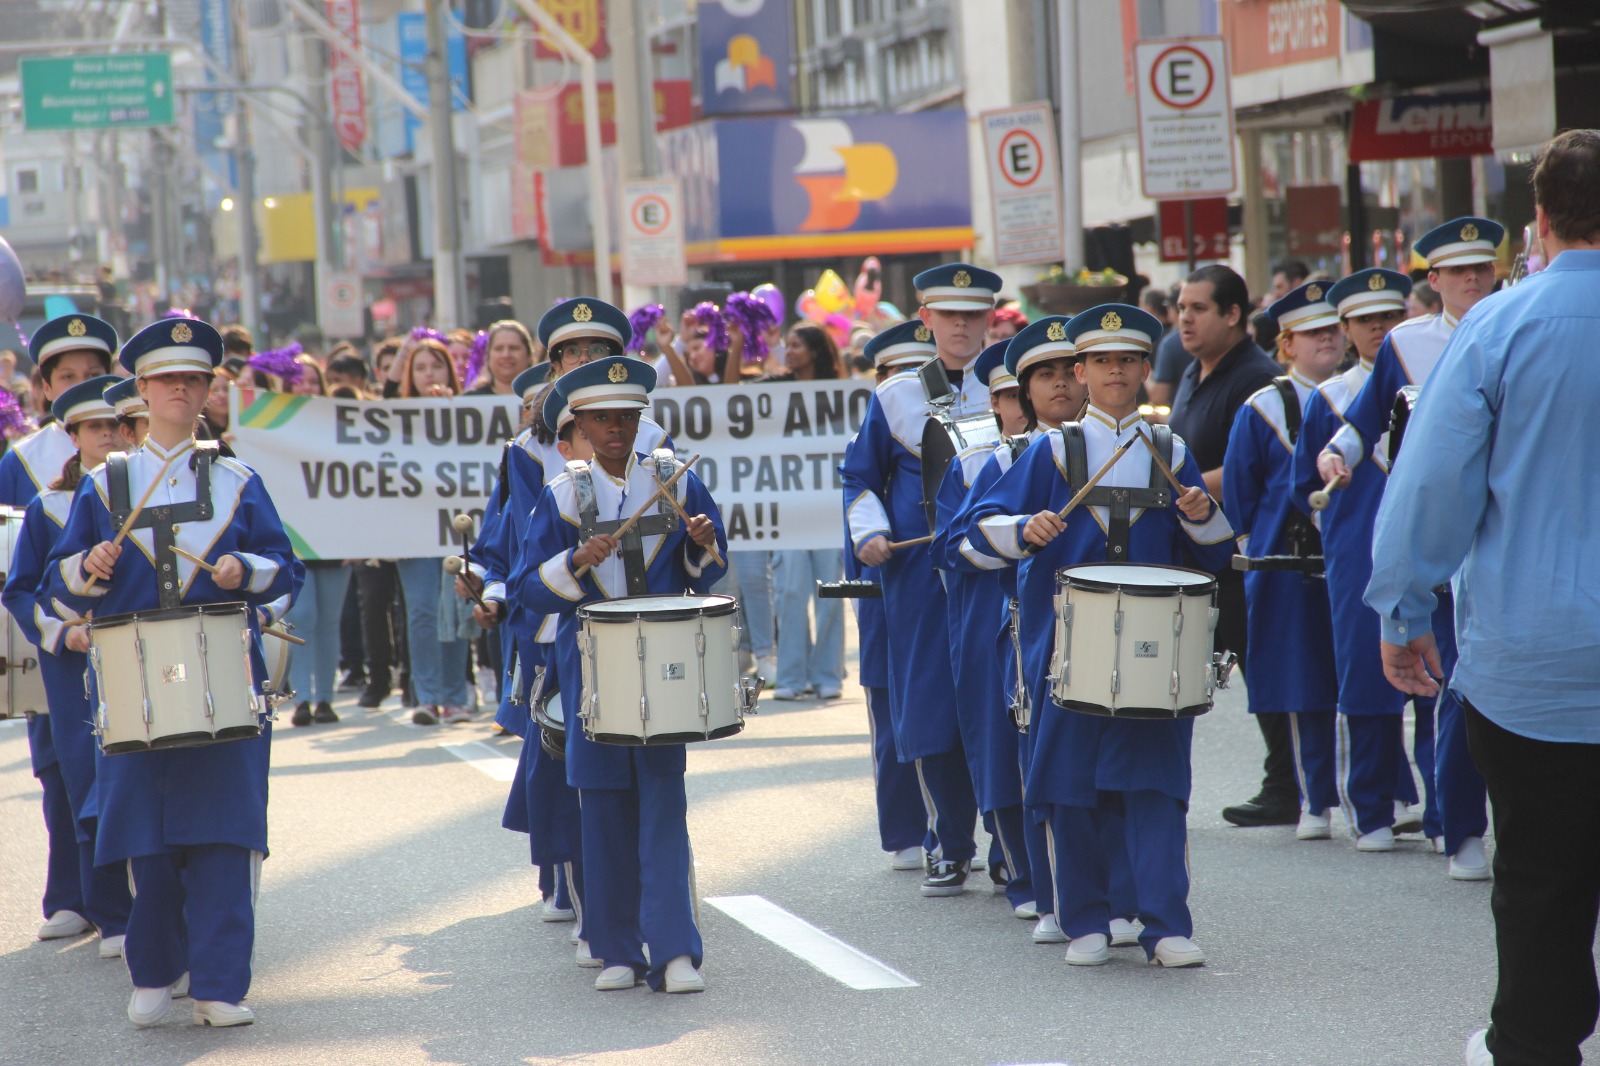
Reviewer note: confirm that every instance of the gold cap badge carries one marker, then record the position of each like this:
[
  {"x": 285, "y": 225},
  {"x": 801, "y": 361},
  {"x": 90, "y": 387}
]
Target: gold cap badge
[
  {"x": 618, "y": 373},
  {"x": 1376, "y": 283},
  {"x": 182, "y": 334},
  {"x": 962, "y": 279},
  {"x": 581, "y": 313},
  {"x": 76, "y": 328},
  {"x": 1056, "y": 332},
  {"x": 923, "y": 334},
  {"x": 1313, "y": 292},
  {"x": 1469, "y": 232},
  {"x": 1111, "y": 321}
]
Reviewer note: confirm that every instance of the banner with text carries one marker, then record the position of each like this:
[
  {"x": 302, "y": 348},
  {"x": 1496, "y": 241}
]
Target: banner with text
[{"x": 383, "y": 478}]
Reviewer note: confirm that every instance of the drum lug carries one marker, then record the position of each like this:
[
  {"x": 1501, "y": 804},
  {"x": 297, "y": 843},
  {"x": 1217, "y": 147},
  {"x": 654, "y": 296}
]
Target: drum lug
[
  {"x": 1222, "y": 664},
  {"x": 747, "y": 690},
  {"x": 144, "y": 683},
  {"x": 644, "y": 695}
]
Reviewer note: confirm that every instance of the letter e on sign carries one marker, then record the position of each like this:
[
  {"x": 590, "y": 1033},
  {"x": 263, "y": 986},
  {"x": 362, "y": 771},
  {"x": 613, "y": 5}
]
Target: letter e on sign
[
  {"x": 1182, "y": 77},
  {"x": 1020, "y": 158}
]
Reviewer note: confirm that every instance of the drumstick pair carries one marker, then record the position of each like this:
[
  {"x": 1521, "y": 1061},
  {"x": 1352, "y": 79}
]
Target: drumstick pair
[
  {"x": 663, "y": 489},
  {"x": 1083, "y": 493},
  {"x": 210, "y": 569},
  {"x": 133, "y": 515}
]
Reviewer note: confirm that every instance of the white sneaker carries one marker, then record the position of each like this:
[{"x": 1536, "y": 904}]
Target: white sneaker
[
  {"x": 586, "y": 960},
  {"x": 1407, "y": 819},
  {"x": 1438, "y": 845},
  {"x": 1124, "y": 934},
  {"x": 767, "y": 667},
  {"x": 111, "y": 947},
  {"x": 1048, "y": 931},
  {"x": 616, "y": 978},
  {"x": 1469, "y": 863},
  {"x": 63, "y": 924},
  {"x": 1314, "y": 826},
  {"x": 1478, "y": 1049},
  {"x": 549, "y": 912},
  {"x": 1178, "y": 951},
  {"x": 1381, "y": 839},
  {"x": 180, "y": 987},
  {"x": 908, "y": 859},
  {"x": 147, "y": 1006},
  {"x": 217, "y": 1013},
  {"x": 1091, "y": 950},
  {"x": 681, "y": 976},
  {"x": 1026, "y": 911}
]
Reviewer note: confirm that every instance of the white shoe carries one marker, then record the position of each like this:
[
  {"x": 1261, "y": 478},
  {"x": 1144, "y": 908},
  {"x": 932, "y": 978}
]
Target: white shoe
[
  {"x": 1438, "y": 845},
  {"x": 586, "y": 960},
  {"x": 1314, "y": 826},
  {"x": 681, "y": 976},
  {"x": 217, "y": 1013},
  {"x": 1381, "y": 839},
  {"x": 1091, "y": 950},
  {"x": 1048, "y": 931},
  {"x": 63, "y": 924},
  {"x": 111, "y": 947},
  {"x": 908, "y": 859},
  {"x": 1469, "y": 863},
  {"x": 148, "y": 1006},
  {"x": 616, "y": 978},
  {"x": 549, "y": 912},
  {"x": 1124, "y": 934},
  {"x": 1026, "y": 911},
  {"x": 180, "y": 987},
  {"x": 1407, "y": 819},
  {"x": 767, "y": 668},
  {"x": 1177, "y": 951},
  {"x": 1478, "y": 1049}
]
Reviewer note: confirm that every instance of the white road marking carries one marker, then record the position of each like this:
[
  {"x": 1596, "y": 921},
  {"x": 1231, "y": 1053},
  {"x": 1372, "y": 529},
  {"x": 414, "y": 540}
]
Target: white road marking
[
  {"x": 480, "y": 755},
  {"x": 847, "y": 965}
]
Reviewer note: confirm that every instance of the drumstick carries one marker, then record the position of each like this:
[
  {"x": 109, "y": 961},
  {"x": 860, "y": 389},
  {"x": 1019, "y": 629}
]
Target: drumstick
[
  {"x": 459, "y": 565},
  {"x": 1166, "y": 471},
  {"x": 633, "y": 520},
  {"x": 210, "y": 569},
  {"x": 133, "y": 515},
  {"x": 1319, "y": 499},
  {"x": 1078, "y": 497},
  {"x": 896, "y": 545},
  {"x": 676, "y": 506},
  {"x": 281, "y": 635}
]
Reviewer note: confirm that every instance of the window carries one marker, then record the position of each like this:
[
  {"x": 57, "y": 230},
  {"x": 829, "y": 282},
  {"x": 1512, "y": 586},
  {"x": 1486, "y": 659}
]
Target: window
[
  {"x": 27, "y": 180},
  {"x": 862, "y": 10}
]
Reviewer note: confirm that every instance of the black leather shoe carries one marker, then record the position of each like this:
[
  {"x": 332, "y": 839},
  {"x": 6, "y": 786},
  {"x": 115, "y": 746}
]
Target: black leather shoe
[
  {"x": 1263, "y": 810},
  {"x": 373, "y": 697},
  {"x": 324, "y": 713},
  {"x": 302, "y": 713}
]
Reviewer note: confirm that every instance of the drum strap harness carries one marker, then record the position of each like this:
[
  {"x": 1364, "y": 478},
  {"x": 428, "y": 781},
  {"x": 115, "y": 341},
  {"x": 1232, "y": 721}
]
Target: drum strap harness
[
  {"x": 163, "y": 521},
  {"x": 1301, "y": 536},
  {"x": 631, "y": 549},
  {"x": 1119, "y": 502}
]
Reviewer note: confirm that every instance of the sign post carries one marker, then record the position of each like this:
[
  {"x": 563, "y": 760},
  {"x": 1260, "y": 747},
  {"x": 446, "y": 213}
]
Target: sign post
[
  {"x": 1024, "y": 183},
  {"x": 652, "y": 233},
  {"x": 97, "y": 92}
]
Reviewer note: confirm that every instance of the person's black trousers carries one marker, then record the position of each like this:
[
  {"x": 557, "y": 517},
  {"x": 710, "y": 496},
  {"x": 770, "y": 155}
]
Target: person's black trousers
[
  {"x": 1546, "y": 801},
  {"x": 1278, "y": 777}
]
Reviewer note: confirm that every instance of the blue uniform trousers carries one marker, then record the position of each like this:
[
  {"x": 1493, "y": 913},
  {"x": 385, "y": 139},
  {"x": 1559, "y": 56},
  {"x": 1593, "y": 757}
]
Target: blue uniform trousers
[
  {"x": 902, "y": 819},
  {"x": 1370, "y": 749},
  {"x": 638, "y": 886},
  {"x": 1008, "y": 824},
  {"x": 1422, "y": 753},
  {"x": 194, "y": 910},
  {"x": 63, "y": 878},
  {"x": 1090, "y": 888},
  {"x": 1463, "y": 797},
  {"x": 952, "y": 805},
  {"x": 106, "y": 899},
  {"x": 1312, "y": 733}
]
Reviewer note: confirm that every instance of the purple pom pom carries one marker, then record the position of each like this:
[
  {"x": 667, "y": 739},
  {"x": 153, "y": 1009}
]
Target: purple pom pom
[
  {"x": 178, "y": 312},
  {"x": 643, "y": 320},
  {"x": 707, "y": 314},
  {"x": 424, "y": 333},
  {"x": 751, "y": 315},
  {"x": 14, "y": 421},
  {"x": 279, "y": 363},
  {"x": 476, "y": 359}
]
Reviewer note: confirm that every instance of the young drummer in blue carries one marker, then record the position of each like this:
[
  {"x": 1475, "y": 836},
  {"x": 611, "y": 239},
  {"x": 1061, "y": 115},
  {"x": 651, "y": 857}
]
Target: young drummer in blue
[
  {"x": 1461, "y": 257},
  {"x": 68, "y": 351},
  {"x": 636, "y": 857},
  {"x": 90, "y": 423},
  {"x": 191, "y": 822},
  {"x": 1084, "y": 767},
  {"x": 882, "y": 476},
  {"x": 1290, "y": 657}
]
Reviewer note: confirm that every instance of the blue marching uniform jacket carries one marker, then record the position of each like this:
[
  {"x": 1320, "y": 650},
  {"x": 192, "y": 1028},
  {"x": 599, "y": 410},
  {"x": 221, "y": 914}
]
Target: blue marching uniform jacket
[
  {"x": 32, "y": 463},
  {"x": 217, "y": 794},
  {"x": 1290, "y": 658},
  {"x": 1077, "y": 755}
]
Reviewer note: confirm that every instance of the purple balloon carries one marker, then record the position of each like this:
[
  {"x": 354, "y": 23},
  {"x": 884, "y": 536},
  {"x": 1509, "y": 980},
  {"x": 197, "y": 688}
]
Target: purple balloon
[
  {"x": 13, "y": 286},
  {"x": 769, "y": 295}
]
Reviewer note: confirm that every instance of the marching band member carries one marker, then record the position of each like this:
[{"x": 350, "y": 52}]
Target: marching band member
[
  {"x": 1289, "y": 657},
  {"x": 133, "y": 414},
  {"x": 1461, "y": 257},
  {"x": 67, "y": 350},
  {"x": 882, "y": 476},
  {"x": 956, "y": 303},
  {"x": 190, "y": 822},
  {"x": 636, "y": 856},
  {"x": 1084, "y": 767},
  {"x": 88, "y": 421}
]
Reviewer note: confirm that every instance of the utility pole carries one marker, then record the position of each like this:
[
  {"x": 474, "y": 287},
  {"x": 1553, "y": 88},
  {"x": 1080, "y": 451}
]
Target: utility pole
[
  {"x": 244, "y": 156},
  {"x": 1071, "y": 133},
  {"x": 449, "y": 281},
  {"x": 634, "y": 109}
]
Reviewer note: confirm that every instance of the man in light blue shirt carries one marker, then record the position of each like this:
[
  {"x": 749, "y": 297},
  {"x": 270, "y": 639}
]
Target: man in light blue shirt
[{"x": 1491, "y": 491}]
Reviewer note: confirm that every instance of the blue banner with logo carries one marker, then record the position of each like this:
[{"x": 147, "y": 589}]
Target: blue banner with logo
[
  {"x": 209, "y": 109},
  {"x": 746, "y": 47},
  {"x": 412, "y": 29}
]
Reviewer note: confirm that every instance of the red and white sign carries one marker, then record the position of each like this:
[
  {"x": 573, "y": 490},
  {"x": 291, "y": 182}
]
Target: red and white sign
[
  {"x": 1268, "y": 34},
  {"x": 339, "y": 305},
  {"x": 346, "y": 93},
  {"x": 1185, "y": 118},
  {"x": 1024, "y": 183},
  {"x": 652, "y": 233},
  {"x": 1208, "y": 225},
  {"x": 1422, "y": 127}
]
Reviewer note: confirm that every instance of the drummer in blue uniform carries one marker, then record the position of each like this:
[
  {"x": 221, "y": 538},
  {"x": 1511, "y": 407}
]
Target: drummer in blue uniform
[
  {"x": 1290, "y": 657},
  {"x": 1461, "y": 256},
  {"x": 637, "y": 863},
  {"x": 190, "y": 822},
  {"x": 89, "y": 422},
  {"x": 1085, "y": 768},
  {"x": 133, "y": 414},
  {"x": 882, "y": 475},
  {"x": 956, "y": 302},
  {"x": 67, "y": 350}
]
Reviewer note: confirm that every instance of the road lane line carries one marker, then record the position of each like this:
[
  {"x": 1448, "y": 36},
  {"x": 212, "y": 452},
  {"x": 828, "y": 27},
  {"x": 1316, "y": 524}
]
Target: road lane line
[
  {"x": 845, "y": 964},
  {"x": 478, "y": 754}
]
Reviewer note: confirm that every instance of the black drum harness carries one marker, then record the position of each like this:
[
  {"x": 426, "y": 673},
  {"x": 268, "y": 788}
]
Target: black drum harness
[
  {"x": 631, "y": 548},
  {"x": 163, "y": 520}
]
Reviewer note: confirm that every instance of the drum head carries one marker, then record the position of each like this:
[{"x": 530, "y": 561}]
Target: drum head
[
  {"x": 549, "y": 711},
  {"x": 658, "y": 608},
  {"x": 1135, "y": 580},
  {"x": 938, "y": 452}
]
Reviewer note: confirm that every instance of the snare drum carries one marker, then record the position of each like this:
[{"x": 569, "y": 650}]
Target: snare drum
[
  {"x": 662, "y": 670},
  {"x": 23, "y": 685},
  {"x": 1134, "y": 641},
  {"x": 171, "y": 678},
  {"x": 552, "y": 722},
  {"x": 277, "y": 653}
]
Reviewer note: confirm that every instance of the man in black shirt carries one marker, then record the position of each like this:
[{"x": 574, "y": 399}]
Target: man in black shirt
[{"x": 1213, "y": 322}]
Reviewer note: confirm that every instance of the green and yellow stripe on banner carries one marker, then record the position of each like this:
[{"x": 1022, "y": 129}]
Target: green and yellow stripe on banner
[
  {"x": 271, "y": 410},
  {"x": 298, "y": 543}
]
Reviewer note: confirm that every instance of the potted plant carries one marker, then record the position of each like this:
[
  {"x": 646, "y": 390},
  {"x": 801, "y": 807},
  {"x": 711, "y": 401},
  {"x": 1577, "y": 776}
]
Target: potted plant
[{"x": 1059, "y": 293}]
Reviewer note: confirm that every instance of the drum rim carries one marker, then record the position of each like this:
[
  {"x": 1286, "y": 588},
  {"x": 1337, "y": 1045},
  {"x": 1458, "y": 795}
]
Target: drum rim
[
  {"x": 629, "y": 740},
  {"x": 542, "y": 717},
  {"x": 1207, "y": 588},
  {"x": 1141, "y": 714},
  {"x": 163, "y": 614},
  {"x": 592, "y": 612}
]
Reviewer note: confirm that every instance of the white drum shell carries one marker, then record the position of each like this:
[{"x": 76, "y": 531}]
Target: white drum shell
[
  {"x": 24, "y": 682},
  {"x": 199, "y": 691}
]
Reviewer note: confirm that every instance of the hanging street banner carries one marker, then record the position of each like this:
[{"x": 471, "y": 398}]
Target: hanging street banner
[
  {"x": 96, "y": 92},
  {"x": 382, "y": 479},
  {"x": 345, "y": 88}
]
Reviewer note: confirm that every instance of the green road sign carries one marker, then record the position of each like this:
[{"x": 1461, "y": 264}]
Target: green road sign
[{"x": 97, "y": 92}]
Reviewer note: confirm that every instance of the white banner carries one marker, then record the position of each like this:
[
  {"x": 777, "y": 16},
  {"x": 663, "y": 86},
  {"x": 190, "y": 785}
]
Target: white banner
[{"x": 382, "y": 479}]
